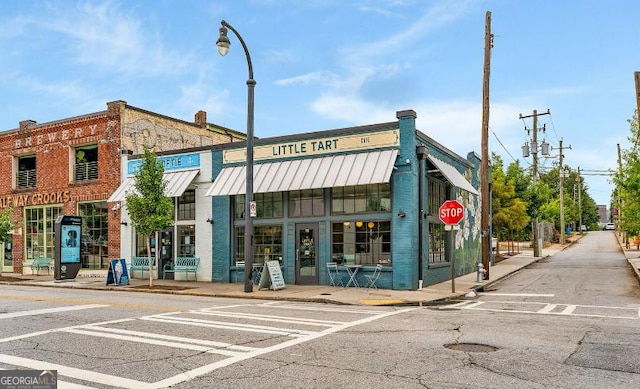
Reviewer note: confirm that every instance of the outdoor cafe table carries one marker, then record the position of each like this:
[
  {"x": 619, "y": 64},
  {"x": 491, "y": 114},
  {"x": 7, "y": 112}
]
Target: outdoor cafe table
[{"x": 352, "y": 269}]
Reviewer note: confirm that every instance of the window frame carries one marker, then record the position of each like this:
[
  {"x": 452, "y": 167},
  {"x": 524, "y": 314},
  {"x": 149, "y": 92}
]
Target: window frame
[
  {"x": 29, "y": 174},
  {"x": 86, "y": 170}
]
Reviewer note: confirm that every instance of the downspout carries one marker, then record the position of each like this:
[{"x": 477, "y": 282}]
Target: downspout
[{"x": 421, "y": 153}]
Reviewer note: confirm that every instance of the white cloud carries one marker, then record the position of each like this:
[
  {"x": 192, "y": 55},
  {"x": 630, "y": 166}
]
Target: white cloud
[{"x": 105, "y": 37}]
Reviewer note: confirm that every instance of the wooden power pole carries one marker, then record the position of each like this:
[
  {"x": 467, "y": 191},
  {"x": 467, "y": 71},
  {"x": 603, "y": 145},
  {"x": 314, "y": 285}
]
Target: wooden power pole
[
  {"x": 484, "y": 163},
  {"x": 637, "y": 78},
  {"x": 537, "y": 250}
]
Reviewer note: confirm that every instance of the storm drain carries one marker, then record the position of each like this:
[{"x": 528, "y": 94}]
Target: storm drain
[{"x": 471, "y": 347}]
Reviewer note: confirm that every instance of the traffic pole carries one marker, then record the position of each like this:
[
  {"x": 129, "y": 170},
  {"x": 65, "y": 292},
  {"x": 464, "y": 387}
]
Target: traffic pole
[{"x": 452, "y": 260}]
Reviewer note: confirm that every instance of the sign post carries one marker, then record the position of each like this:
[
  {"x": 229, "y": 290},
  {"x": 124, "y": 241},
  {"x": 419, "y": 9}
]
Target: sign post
[{"x": 451, "y": 212}]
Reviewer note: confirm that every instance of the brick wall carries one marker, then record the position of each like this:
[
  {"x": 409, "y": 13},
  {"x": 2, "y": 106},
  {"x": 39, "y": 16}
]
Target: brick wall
[{"x": 53, "y": 145}]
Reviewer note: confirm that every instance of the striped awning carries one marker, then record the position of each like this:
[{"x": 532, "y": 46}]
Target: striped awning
[
  {"x": 177, "y": 183},
  {"x": 452, "y": 175},
  {"x": 326, "y": 172}
]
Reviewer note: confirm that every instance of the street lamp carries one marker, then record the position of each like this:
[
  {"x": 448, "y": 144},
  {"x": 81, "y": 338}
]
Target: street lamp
[{"x": 223, "y": 44}]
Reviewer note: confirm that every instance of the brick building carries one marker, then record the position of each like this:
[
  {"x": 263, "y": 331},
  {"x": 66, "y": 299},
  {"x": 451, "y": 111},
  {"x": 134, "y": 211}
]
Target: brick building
[{"x": 72, "y": 166}]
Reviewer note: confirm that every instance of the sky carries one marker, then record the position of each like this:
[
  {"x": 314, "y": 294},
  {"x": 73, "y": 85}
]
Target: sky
[{"x": 327, "y": 64}]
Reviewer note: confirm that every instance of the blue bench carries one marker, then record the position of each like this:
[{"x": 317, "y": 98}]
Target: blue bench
[
  {"x": 141, "y": 264},
  {"x": 184, "y": 265},
  {"x": 40, "y": 263}
]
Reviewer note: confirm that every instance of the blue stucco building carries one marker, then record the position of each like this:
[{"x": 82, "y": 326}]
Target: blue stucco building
[{"x": 359, "y": 197}]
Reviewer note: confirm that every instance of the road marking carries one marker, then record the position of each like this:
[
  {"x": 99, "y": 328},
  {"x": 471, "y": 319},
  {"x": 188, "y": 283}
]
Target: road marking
[
  {"x": 277, "y": 319},
  {"x": 73, "y": 372},
  {"x": 228, "y": 326},
  {"x": 518, "y": 294},
  {"x": 155, "y": 342},
  {"x": 168, "y": 382},
  {"x": 210, "y": 343},
  {"x": 280, "y": 305},
  {"x": 233, "y": 353},
  {"x": 548, "y": 308},
  {"x": 11, "y": 315}
]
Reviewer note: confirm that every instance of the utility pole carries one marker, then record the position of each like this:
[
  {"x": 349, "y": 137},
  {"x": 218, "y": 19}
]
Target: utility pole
[
  {"x": 579, "y": 179},
  {"x": 484, "y": 163},
  {"x": 637, "y": 78},
  {"x": 534, "y": 151},
  {"x": 562, "y": 173},
  {"x": 620, "y": 203}
]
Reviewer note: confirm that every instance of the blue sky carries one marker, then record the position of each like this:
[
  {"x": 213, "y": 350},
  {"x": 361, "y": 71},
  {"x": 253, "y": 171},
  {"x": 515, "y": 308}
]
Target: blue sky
[{"x": 324, "y": 64}]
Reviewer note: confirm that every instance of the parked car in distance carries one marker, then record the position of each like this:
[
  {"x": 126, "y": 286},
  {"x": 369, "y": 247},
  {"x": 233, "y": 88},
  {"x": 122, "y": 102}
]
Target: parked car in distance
[
  {"x": 609, "y": 226},
  {"x": 583, "y": 228}
]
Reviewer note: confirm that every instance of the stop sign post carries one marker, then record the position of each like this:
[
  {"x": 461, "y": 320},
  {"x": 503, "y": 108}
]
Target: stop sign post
[{"x": 451, "y": 212}]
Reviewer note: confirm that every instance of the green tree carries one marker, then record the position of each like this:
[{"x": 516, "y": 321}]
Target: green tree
[
  {"x": 6, "y": 224},
  {"x": 149, "y": 209},
  {"x": 628, "y": 183},
  {"x": 509, "y": 211}
]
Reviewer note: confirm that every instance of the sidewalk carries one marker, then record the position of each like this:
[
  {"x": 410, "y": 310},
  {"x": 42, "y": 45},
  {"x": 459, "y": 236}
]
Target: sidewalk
[
  {"x": 633, "y": 256},
  {"x": 430, "y": 295}
]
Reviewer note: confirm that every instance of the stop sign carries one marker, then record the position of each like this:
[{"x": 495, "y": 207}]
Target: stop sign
[{"x": 451, "y": 212}]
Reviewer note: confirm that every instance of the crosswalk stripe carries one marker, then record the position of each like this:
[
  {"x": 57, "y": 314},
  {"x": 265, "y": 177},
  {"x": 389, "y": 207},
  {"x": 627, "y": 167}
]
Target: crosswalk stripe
[{"x": 11, "y": 315}]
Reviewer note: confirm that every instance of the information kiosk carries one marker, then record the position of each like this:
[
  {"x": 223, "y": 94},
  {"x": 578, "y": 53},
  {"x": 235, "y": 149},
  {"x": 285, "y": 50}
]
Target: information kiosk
[{"x": 67, "y": 243}]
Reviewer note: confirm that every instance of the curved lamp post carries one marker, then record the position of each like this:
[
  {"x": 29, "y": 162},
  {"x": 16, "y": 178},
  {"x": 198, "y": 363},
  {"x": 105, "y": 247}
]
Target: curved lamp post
[{"x": 223, "y": 44}]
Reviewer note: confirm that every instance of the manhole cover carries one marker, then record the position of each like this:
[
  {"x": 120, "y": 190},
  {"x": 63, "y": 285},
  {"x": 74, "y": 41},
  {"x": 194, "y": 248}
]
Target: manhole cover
[{"x": 471, "y": 347}]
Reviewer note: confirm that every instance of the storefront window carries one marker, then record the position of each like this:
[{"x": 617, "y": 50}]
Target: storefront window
[
  {"x": 438, "y": 194},
  {"x": 267, "y": 244},
  {"x": 361, "y": 199},
  {"x": 141, "y": 246},
  {"x": 437, "y": 243},
  {"x": 39, "y": 231},
  {"x": 307, "y": 202},
  {"x": 187, "y": 205},
  {"x": 361, "y": 243},
  {"x": 268, "y": 205},
  {"x": 186, "y": 241},
  {"x": 95, "y": 233}
]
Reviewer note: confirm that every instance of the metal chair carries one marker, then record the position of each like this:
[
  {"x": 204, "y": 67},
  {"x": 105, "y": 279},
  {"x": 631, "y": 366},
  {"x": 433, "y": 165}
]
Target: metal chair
[
  {"x": 373, "y": 277},
  {"x": 334, "y": 274}
]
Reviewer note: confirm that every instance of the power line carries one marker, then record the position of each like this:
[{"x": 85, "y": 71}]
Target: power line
[
  {"x": 553, "y": 127},
  {"x": 502, "y": 144}
]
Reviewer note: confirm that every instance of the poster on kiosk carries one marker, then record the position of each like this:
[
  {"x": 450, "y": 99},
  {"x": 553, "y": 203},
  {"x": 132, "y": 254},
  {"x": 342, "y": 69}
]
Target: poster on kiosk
[{"x": 67, "y": 242}]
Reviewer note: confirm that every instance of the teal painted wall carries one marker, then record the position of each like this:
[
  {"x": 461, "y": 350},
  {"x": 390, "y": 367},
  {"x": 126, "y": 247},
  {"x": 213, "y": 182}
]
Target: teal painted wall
[{"x": 404, "y": 272}]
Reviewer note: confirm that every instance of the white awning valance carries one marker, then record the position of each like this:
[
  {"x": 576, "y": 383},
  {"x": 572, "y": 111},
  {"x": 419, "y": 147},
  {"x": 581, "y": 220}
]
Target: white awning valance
[
  {"x": 340, "y": 170},
  {"x": 177, "y": 183}
]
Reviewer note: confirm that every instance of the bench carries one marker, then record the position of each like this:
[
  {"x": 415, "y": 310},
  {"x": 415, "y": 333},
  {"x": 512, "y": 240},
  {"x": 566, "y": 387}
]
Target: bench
[
  {"x": 40, "y": 263},
  {"x": 182, "y": 264},
  {"x": 141, "y": 264}
]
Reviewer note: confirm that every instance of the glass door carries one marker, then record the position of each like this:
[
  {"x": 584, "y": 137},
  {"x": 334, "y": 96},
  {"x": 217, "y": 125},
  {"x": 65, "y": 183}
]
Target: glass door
[{"x": 306, "y": 254}]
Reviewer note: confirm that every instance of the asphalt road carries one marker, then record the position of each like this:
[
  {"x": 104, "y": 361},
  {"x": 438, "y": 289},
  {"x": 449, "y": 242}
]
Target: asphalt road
[{"x": 565, "y": 322}]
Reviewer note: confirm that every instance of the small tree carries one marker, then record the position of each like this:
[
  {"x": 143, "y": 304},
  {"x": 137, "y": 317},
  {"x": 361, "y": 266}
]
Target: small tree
[
  {"x": 6, "y": 224},
  {"x": 149, "y": 209}
]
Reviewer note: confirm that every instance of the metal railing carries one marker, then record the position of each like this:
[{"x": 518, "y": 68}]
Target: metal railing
[
  {"x": 86, "y": 171},
  {"x": 26, "y": 179}
]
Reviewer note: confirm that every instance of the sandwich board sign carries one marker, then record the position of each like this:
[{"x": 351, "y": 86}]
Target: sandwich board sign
[{"x": 271, "y": 277}]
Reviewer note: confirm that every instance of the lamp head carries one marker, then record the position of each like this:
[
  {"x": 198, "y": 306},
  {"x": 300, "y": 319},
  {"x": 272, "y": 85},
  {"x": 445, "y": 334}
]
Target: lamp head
[{"x": 223, "y": 42}]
